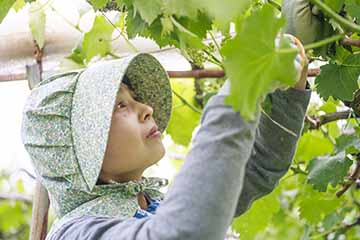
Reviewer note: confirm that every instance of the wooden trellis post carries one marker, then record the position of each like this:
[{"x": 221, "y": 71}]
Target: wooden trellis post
[{"x": 39, "y": 221}]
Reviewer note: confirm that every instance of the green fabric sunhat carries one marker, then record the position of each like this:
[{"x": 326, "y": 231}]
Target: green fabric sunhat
[{"x": 65, "y": 128}]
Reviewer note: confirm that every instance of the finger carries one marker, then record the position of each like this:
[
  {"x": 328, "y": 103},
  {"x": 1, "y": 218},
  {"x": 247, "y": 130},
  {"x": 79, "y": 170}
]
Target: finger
[{"x": 301, "y": 62}]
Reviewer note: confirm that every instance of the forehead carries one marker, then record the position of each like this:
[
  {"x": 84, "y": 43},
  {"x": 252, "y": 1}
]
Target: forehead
[{"x": 125, "y": 90}]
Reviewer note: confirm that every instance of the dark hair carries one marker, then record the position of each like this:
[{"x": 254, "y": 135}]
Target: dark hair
[{"x": 126, "y": 81}]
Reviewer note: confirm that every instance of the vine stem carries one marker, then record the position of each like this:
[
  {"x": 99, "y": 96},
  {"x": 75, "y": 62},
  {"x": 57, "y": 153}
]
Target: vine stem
[
  {"x": 183, "y": 100},
  {"x": 121, "y": 33},
  {"x": 315, "y": 44},
  {"x": 324, "y": 41},
  {"x": 355, "y": 175},
  {"x": 76, "y": 27},
  {"x": 42, "y": 7},
  {"x": 316, "y": 122},
  {"x": 216, "y": 44},
  {"x": 331, "y": 13},
  {"x": 181, "y": 27}
]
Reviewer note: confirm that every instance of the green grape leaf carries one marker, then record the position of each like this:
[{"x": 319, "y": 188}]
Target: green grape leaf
[
  {"x": 339, "y": 80},
  {"x": 348, "y": 143},
  {"x": 37, "y": 20},
  {"x": 134, "y": 24},
  {"x": 98, "y": 4},
  {"x": 224, "y": 11},
  {"x": 306, "y": 151},
  {"x": 258, "y": 217},
  {"x": 328, "y": 169},
  {"x": 178, "y": 8},
  {"x": 333, "y": 130},
  {"x": 182, "y": 115},
  {"x": 98, "y": 40},
  {"x": 5, "y": 6},
  {"x": 155, "y": 30},
  {"x": 331, "y": 219},
  {"x": 191, "y": 31},
  {"x": 78, "y": 54},
  {"x": 18, "y": 5},
  {"x": 254, "y": 71},
  {"x": 315, "y": 206},
  {"x": 341, "y": 54},
  {"x": 329, "y": 106},
  {"x": 199, "y": 25},
  {"x": 148, "y": 10},
  {"x": 283, "y": 226},
  {"x": 187, "y": 40},
  {"x": 352, "y": 7}
]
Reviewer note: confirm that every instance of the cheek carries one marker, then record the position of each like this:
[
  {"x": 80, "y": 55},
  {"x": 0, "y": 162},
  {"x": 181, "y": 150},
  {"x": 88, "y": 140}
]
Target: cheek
[{"x": 125, "y": 142}]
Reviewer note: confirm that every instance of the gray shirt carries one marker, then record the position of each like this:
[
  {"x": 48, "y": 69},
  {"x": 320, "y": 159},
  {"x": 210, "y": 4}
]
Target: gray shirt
[{"x": 231, "y": 163}]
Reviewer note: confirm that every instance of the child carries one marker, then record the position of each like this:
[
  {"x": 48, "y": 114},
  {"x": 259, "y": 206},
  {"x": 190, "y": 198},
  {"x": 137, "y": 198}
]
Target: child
[{"x": 92, "y": 133}]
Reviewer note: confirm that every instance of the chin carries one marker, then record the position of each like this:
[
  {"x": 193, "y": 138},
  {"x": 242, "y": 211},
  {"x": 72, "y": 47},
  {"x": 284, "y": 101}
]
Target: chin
[{"x": 160, "y": 155}]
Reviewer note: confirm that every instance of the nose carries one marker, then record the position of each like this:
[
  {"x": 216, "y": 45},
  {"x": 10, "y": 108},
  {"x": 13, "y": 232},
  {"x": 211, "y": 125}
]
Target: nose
[{"x": 146, "y": 112}]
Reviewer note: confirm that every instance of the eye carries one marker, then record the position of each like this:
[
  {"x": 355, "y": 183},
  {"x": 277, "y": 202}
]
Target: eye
[{"x": 122, "y": 104}]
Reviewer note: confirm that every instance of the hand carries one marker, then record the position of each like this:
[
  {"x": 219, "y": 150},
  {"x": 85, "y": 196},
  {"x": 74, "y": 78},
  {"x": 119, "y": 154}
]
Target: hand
[
  {"x": 304, "y": 21},
  {"x": 301, "y": 63}
]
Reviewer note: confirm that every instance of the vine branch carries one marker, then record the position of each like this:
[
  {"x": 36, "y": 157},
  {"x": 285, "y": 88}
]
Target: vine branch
[
  {"x": 353, "y": 177},
  {"x": 351, "y": 42},
  {"x": 16, "y": 197},
  {"x": 200, "y": 73},
  {"x": 331, "y": 13},
  {"x": 344, "y": 227},
  {"x": 316, "y": 122}
]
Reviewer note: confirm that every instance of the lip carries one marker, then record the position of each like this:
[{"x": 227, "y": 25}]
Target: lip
[{"x": 154, "y": 132}]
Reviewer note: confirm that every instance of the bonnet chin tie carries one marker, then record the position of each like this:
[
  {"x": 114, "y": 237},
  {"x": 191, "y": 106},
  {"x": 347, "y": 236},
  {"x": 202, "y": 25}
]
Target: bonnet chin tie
[{"x": 131, "y": 188}]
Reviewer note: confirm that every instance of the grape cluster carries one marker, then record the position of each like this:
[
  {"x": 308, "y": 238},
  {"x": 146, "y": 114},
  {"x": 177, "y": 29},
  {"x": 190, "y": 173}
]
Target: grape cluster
[{"x": 197, "y": 57}]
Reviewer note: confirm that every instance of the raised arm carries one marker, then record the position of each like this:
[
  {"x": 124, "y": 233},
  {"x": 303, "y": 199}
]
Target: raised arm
[{"x": 274, "y": 147}]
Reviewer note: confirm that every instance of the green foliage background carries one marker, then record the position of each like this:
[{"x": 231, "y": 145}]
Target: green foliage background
[{"x": 304, "y": 205}]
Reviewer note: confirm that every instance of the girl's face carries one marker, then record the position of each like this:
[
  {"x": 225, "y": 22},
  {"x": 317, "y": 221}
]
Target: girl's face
[{"x": 129, "y": 150}]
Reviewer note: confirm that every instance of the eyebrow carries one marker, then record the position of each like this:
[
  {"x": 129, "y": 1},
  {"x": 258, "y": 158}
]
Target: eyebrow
[{"x": 132, "y": 93}]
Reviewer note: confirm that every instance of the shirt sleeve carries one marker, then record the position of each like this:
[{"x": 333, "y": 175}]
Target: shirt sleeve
[
  {"x": 275, "y": 145},
  {"x": 201, "y": 202}
]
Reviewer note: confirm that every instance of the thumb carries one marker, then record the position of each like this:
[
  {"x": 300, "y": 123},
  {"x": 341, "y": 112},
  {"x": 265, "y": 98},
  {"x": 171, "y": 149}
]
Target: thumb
[{"x": 301, "y": 62}]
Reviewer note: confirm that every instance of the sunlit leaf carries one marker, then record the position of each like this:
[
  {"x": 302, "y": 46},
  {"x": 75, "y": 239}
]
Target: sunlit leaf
[
  {"x": 5, "y": 6},
  {"x": 339, "y": 81},
  {"x": 183, "y": 117},
  {"x": 328, "y": 170},
  {"x": 37, "y": 20},
  {"x": 254, "y": 71},
  {"x": 98, "y": 40}
]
